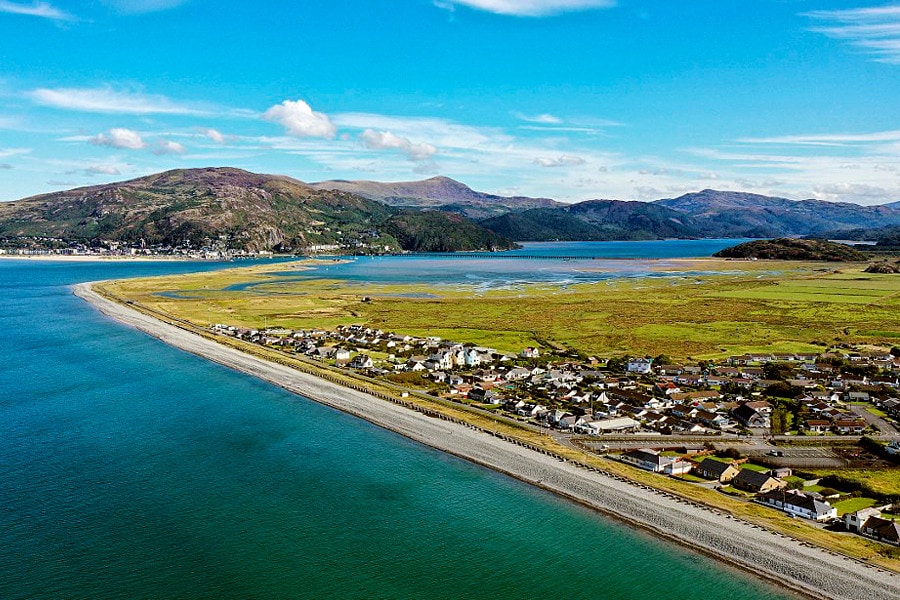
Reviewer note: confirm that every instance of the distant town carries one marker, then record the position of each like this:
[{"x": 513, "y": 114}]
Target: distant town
[{"x": 731, "y": 424}]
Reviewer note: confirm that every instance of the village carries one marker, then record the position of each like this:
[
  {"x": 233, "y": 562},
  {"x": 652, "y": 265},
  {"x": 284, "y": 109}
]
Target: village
[{"x": 729, "y": 424}]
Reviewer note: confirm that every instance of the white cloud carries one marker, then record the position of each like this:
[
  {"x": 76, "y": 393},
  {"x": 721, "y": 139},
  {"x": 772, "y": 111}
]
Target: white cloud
[
  {"x": 827, "y": 139},
  {"x": 4, "y": 152},
  {"x": 214, "y": 135},
  {"x": 108, "y": 100},
  {"x": 119, "y": 138},
  {"x": 544, "y": 118},
  {"x": 875, "y": 30},
  {"x": 527, "y": 8},
  {"x": 300, "y": 120},
  {"x": 35, "y": 9},
  {"x": 385, "y": 139},
  {"x": 168, "y": 147},
  {"x": 566, "y": 160},
  {"x": 102, "y": 170}
]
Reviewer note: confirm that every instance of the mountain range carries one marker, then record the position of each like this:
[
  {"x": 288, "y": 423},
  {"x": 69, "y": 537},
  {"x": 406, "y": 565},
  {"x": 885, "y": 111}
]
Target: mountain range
[
  {"x": 237, "y": 209},
  {"x": 233, "y": 209}
]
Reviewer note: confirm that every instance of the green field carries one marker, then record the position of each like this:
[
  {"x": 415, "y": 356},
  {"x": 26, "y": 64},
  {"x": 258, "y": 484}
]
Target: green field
[{"x": 784, "y": 307}]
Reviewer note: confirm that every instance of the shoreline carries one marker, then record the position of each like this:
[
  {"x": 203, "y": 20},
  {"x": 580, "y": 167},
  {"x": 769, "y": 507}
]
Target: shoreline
[{"x": 809, "y": 570}]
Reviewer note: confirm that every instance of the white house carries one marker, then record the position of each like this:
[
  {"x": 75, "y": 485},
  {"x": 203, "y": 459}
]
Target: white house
[
  {"x": 639, "y": 365},
  {"x": 797, "y": 503}
]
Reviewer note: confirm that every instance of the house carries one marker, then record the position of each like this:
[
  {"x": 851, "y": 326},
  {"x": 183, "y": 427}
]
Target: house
[
  {"x": 639, "y": 365},
  {"x": 484, "y": 396},
  {"x": 756, "y": 481},
  {"x": 361, "y": 361},
  {"x": 716, "y": 469},
  {"x": 649, "y": 460},
  {"x": 342, "y": 354},
  {"x": 850, "y": 426},
  {"x": 882, "y": 530},
  {"x": 798, "y": 503},
  {"x": 530, "y": 353},
  {"x": 854, "y": 521},
  {"x": 618, "y": 424},
  {"x": 473, "y": 357},
  {"x": 678, "y": 467},
  {"x": 818, "y": 425},
  {"x": 750, "y": 417}
]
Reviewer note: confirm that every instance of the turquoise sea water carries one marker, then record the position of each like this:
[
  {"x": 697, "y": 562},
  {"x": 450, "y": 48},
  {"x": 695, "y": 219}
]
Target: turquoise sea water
[{"x": 129, "y": 469}]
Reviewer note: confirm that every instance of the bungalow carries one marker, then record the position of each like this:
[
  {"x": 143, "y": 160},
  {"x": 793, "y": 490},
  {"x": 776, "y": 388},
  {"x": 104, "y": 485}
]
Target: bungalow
[
  {"x": 850, "y": 426},
  {"x": 649, "y": 460},
  {"x": 342, "y": 354},
  {"x": 716, "y": 469},
  {"x": 756, "y": 481},
  {"x": 619, "y": 424},
  {"x": 517, "y": 374},
  {"x": 530, "y": 353},
  {"x": 818, "y": 425}
]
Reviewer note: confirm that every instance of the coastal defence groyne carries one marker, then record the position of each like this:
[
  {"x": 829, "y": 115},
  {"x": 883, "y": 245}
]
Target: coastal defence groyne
[{"x": 807, "y": 569}]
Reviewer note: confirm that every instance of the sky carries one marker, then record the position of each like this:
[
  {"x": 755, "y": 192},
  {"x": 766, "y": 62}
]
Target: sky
[{"x": 568, "y": 99}]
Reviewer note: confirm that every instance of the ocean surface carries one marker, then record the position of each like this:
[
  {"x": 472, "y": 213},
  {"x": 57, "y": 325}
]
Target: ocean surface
[{"x": 129, "y": 469}]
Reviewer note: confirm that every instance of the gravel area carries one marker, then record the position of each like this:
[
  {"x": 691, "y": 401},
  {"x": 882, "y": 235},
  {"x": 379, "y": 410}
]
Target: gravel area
[{"x": 808, "y": 569}]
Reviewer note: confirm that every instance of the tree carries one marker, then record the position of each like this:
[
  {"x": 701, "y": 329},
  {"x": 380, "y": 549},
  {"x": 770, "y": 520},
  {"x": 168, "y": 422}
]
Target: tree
[{"x": 780, "y": 421}]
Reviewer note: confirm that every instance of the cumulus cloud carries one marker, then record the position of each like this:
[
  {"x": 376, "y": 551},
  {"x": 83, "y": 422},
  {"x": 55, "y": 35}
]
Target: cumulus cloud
[
  {"x": 875, "y": 30},
  {"x": 527, "y": 8},
  {"x": 119, "y": 138},
  {"x": 168, "y": 147},
  {"x": 107, "y": 100},
  {"x": 102, "y": 170},
  {"x": 387, "y": 140},
  {"x": 566, "y": 160},
  {"x": 300, "y": 120},
  {"x": 35, "y": 9}
]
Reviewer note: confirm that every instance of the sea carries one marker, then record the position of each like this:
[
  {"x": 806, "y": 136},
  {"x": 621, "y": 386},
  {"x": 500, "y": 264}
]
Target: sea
[{"x": 129, "y": 469}]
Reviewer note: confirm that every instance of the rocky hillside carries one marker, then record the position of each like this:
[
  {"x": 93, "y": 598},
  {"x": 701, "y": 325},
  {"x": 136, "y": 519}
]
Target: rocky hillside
[
  {"x": 739, "y": 214},
  {"x": 793, "y": 249},
  {"x": 596, "y": 220},
  {"x": 439, "y": 193},
  {"x": 214, "y": 206}
]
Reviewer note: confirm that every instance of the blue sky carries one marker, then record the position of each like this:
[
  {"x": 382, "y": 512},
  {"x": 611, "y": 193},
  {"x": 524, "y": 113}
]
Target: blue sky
[{"x": 571, "y": 99}]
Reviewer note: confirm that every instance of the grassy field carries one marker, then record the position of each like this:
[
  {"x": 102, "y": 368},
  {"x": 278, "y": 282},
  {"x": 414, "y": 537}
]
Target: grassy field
[
  {"x": 881, "y": 482},
  {"x": 746, "y": 307}
]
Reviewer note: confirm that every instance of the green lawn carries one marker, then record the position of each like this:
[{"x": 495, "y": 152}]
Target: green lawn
[
  {"x": 853, "y": 504},
  {"x": 758, "y": 468}
]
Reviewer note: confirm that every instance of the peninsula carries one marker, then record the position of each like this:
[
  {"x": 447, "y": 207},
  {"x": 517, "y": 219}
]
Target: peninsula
[{"x": 670, "y": 511}]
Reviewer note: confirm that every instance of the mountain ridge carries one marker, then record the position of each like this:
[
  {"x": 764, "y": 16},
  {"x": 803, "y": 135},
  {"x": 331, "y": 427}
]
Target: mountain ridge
[{"x": 224, "y": 207}]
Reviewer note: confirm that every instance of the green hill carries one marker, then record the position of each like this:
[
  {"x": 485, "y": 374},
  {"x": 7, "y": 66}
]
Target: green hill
[
  {"x": 793, "y": 249},
  {"x": 226, "y": 207}
]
